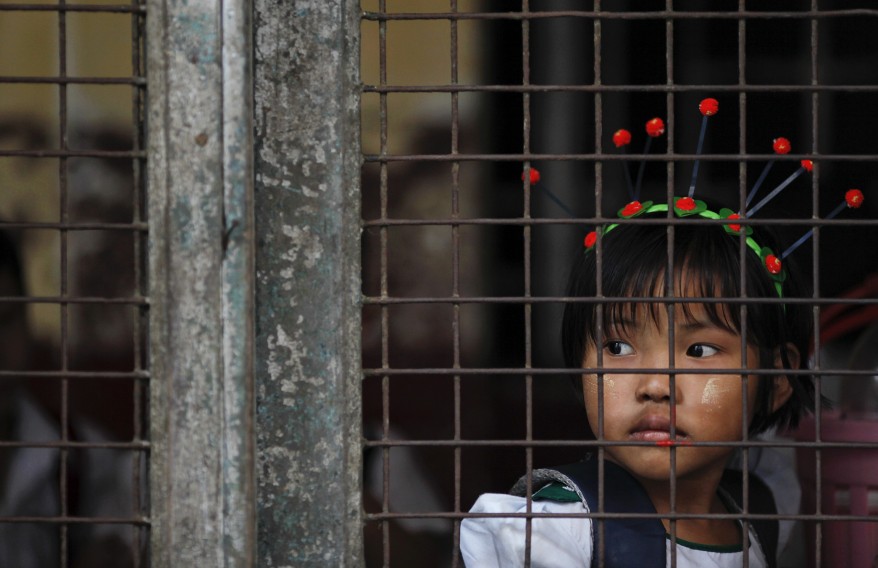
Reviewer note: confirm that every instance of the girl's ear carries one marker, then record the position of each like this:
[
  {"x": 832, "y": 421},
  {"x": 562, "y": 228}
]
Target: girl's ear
[{"x": 782, "y": 390}]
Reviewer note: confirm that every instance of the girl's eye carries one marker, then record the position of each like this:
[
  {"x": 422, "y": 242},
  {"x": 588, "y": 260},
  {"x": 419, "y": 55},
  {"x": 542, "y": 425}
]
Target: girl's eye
[
  {"x": 619, "y": 348},
  {"x": 701, "y": 350}
]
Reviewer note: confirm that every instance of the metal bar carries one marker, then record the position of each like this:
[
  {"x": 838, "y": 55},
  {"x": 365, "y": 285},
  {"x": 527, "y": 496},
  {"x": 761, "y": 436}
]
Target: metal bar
[
  {"x": 308, "y": 164},
  {"x": 201, "y": 284},
  {"x": 63, "y": 187},
  {"x": 11, "y": 79},
  {"x": 610, "y": 15},
  {"x": 604, "y": 88},
  {"x": 605, "y": 157},
  {"x": 455, "y": 278},
  {"x": 63, "y": 7},
  {"x": 384, "y": 276}
]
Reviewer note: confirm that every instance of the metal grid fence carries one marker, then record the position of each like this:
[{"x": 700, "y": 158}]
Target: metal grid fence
[
  {"x": 75, "y": 450},
  {"x": 420, "y": 397}
]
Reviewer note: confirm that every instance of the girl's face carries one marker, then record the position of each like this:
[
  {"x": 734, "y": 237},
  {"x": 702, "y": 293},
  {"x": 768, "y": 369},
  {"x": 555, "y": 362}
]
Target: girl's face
[{"x": 707, "y": 407}]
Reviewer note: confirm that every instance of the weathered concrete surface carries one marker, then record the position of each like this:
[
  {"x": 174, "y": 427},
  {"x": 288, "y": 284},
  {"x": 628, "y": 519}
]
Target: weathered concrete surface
[
  {"x": 308, "y": 282},
  {"x": 201, "y": 284}
]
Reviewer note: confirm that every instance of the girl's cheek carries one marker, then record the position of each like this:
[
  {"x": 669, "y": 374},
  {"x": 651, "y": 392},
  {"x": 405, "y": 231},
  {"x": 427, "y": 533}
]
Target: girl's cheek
[
  {"x": 719, "y": 392},
  {"x": 611, "y": 388}
]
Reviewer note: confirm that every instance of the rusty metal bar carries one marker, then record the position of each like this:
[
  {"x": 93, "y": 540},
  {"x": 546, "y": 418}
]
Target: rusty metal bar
[
  {"x": 308, "y": 282},
  {"x": 200, "y": 179},
  {"x": 663, "y": 15}
]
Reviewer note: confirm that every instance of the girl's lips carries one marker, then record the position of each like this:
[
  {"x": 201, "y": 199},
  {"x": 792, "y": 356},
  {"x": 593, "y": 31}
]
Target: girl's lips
[{"x": 654, "y": 428}]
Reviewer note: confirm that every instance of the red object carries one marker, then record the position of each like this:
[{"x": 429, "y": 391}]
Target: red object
[
  {"x": 773, "y": 264},
  {"x": 709, "y": 107},
  {"x": 734, "y": 226},
  {"x": 655, "y": 127},
  {"x": 632, "y": 208},
  {"x": 670, "y": 443},
  {"x": 781, "y": 146},
  {"x": 534, "y": 176},
  {"x": 808, "y": 165},
  {"x": 621, "y": 138},
  {"x": 686, "y": 203},
  {"x": 591, "y": 239},
  {"x": 854, "y": 198}
]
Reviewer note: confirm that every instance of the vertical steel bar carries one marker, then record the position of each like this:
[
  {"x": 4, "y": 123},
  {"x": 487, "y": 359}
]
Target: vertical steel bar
[
  {"x": 141, "y": 287},
  {"x": 385, "y": 315},
  {"x": 455, "y": 272},
  {"x": 201, "y": 284},
  {"x": 600, "y": 549},
  {"x": 742, "y": 252},
  {"x": 308, "y": 291},
  {"x": 63, "y": 187},
  {"x": 528, "y": 308},
  {"x": 669, "y": 279},
  {"x": 815, "y": 212}
]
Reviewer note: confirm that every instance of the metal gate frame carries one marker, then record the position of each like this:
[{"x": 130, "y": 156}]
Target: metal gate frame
[{"x": 254, "y": 282}]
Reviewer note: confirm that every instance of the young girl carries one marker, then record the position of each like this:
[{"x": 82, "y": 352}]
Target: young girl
[{"x": 657, "y": 427}]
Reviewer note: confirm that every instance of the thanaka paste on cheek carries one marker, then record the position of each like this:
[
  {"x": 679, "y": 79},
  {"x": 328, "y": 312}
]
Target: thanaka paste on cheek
[{"x": 715, "y": 389}]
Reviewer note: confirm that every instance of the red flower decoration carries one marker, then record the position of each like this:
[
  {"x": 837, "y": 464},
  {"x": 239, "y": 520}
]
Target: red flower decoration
[
  {"x": 631, "y": 209},
  {"x": 621, "y": 138},
  {"x": 734, "y": 226},
  {"x": 709, "y": 107},
  {"x": 773, "y": 264},
  {"x": 591, "y": 239},
  {"x": 534, "y": 176},
  {"x": 686, "y": 203},
  {"x": 655, "y": 127},
  {"x": 807, "y": 165},
  {"x": 854, "y": 198},
  {"x": 781, "y": 146}
]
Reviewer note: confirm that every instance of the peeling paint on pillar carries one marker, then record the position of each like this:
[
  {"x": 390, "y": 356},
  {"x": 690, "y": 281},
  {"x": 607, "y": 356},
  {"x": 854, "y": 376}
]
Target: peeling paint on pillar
[
  {"x": 200, "y": 179},
  {"x": 308, "y": 282}
]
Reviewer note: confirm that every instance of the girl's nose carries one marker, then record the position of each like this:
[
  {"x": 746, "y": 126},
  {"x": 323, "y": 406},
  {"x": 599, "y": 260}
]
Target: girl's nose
[{"x": 654, "y": 387}]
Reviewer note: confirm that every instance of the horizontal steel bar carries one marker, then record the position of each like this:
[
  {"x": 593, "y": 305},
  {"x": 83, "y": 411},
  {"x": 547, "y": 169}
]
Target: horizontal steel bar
[
  {"x": 596, "y": 444},
  {"x": 526, "y": 371},
  {"x": 603, "y": 88},
  {"x": 54, "y": 80},
  {"x": 605, "y": 15},
  {"x": 396, "y": 300},
  {"x": 612, "y": 157},
  {"x": 66, "y": 300},
  {"x": 137, "y": 375},
  {"x": 140, "y": 521},
  {"x": 664, "y": 221},
  {"x": 112, "y": 8},
  {"x": 129, "y": 446},
  {"x": 375, "y": 517},
  {"x": 140, "y": 154},
  {"x": 75, "y": 226}
]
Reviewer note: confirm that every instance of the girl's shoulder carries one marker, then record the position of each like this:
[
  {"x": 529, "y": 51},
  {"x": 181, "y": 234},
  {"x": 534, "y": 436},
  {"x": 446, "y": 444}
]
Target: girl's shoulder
[{"x": 562, "y": 539}]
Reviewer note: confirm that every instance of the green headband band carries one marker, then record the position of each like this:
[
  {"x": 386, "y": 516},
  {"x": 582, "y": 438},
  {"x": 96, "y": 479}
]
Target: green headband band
[{"x": 688, "y": 207}]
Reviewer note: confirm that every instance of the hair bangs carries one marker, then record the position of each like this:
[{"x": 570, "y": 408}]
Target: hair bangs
[{"x": 706, "y": 265}]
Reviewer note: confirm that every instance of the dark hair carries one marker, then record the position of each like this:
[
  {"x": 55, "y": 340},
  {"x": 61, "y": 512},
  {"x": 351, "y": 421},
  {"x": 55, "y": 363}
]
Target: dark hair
[{"x": 635, "y": 260}]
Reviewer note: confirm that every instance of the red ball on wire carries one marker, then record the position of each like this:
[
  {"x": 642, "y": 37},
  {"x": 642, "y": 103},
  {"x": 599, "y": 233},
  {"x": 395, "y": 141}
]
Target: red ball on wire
[
  {"x": 621, "y": 138},
  {"x": 655, "y": 127},
  {"x": 854, "y": 198},
  {"x": 781, "y": 145},
  {"x": 534, "y": 176},
  {"x": 773, "y": 264},
  {"x": 709, "y": 107}
]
